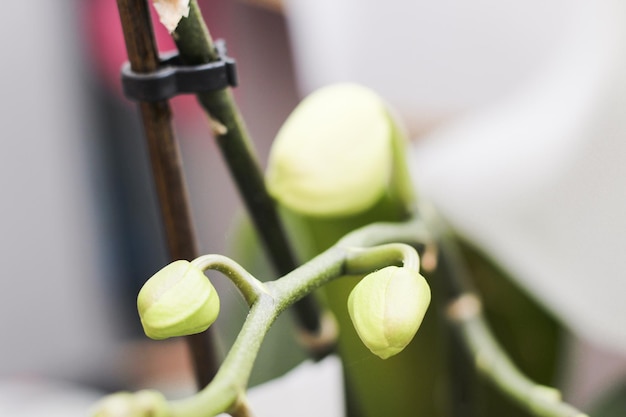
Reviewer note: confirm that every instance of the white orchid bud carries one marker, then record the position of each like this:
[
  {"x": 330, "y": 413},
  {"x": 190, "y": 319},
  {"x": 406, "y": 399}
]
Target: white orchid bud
[
  {"x": 145, "y": 403},
  {"x": 337, "y": 154},
  {"x": 387, "y": 308},
  {"x": 178, "y": 300}
]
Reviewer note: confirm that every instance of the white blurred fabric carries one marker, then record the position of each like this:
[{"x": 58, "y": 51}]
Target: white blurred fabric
[
  {"x": 530, "y": 165},
  {"x": 310, "y": 390}
]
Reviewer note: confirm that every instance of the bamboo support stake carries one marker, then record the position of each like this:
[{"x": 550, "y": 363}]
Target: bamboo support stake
[{"x": 166, "y": 167}]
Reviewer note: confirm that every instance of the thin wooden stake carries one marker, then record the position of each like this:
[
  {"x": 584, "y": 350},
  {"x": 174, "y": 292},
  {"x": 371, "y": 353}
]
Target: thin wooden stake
[{"x": 166, "y": 168}]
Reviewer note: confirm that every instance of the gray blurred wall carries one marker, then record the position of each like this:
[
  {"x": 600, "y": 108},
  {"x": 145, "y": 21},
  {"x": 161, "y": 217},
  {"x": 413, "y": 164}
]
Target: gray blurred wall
[{"x": 52, "y": 318}]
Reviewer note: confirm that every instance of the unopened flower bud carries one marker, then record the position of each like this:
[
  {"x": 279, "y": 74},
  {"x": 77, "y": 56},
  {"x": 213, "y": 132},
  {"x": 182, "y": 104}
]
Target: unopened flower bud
[
  {"x": 387, "y": 308},
  {"x": 335, "y": 155},
  {"x": 145, "y": 403},
  {"x": 178, "y": 300}
]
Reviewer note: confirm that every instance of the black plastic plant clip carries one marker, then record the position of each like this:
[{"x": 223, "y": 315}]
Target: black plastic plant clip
[{"x": 174, "y": 78}]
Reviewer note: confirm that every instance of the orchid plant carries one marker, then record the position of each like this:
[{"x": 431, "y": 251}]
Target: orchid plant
[{"x": 372, "y": 250}]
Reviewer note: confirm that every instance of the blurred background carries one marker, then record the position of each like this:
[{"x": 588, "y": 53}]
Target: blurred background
[
  {"x": 79, "y": 205},
  {"x": 517, "y": 115}
]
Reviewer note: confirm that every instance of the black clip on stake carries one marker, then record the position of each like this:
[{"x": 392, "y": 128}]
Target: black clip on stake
[{"x": 173, "y": 78}]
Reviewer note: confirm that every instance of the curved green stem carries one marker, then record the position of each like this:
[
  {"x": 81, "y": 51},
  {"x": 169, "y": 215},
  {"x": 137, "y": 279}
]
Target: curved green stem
[
  {"x": 228, "y": 387},
  {"x": 492, "y": 362},
  {"x": 226, "y": 393},
  {"x": 250, "y": 287},
  {"x": 412, "y": 231},
  {"x": 464, "y": 311},
  {"x": 362, "y": 260}
]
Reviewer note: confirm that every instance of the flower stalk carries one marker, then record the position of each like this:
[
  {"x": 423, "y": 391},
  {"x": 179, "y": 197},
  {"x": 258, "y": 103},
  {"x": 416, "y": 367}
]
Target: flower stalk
[
  {"x": 491, "y": 362},
  {"x": 227, "y": 390},
  {"x": 231, "y": 381},
  {"x": 196, "y": 46}
]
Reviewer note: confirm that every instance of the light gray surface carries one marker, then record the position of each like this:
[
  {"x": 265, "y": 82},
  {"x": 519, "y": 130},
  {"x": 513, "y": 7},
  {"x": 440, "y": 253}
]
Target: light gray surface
[
  {"x": 44, "y": 398},
  {"x": 51, "y": 316}
]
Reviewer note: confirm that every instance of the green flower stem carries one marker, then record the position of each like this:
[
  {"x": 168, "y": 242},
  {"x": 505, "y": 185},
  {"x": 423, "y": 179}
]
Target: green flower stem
[
  {"x": 195, "y": 46},
  {"x": 336, "y": 261},
  {"x": 227, "y": 391},
  {"x": 250, "y": 287},
  {"x": 411, "y": 231},
  {"x": 228, "y": 387},
  {"x": 495, "y": 365},
  {"x": 474, "y": 335},
  {"x": 365, "y": 260}
]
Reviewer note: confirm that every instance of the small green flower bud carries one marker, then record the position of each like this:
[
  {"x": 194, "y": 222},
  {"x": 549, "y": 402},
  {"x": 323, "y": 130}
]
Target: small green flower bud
[
  {"x": 178, "y": 300},
  {"x": 145, "y": 403},
  {"x": 387, "y": 308}
]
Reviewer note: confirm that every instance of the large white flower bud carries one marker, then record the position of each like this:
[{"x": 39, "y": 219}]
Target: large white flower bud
[{"x": 338, "y": 154}]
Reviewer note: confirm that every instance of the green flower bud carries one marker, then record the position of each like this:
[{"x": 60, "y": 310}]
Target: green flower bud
[
  {"x": 145, "y": 403},
  {"x": 387, "y": 308},
  {"x": 178, "y": 300},
  {"x": 337, "y": 154}
]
